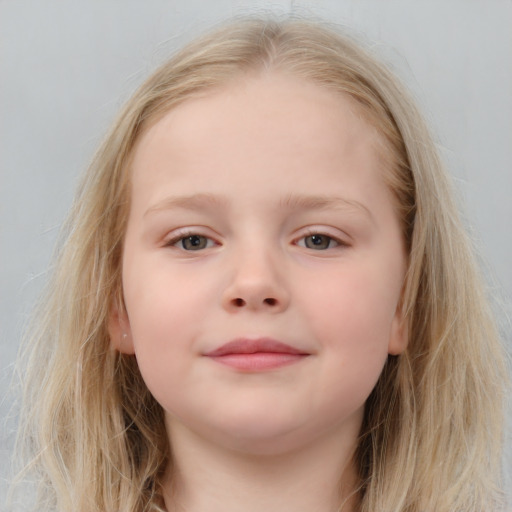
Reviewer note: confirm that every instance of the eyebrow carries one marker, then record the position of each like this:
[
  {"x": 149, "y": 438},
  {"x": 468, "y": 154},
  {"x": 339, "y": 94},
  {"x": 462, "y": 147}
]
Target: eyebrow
[
  {"x": 321, "y": 202},
  {"x": 293, "y": 202},
  {"x": 188, "y": 202}
]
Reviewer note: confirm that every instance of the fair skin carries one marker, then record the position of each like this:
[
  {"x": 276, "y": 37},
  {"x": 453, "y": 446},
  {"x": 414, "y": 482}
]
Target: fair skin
[{"x": 259, "y": 212}]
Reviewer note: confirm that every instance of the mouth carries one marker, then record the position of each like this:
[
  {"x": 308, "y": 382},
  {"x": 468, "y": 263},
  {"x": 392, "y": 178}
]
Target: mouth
[{"x": 255, "y": 355}]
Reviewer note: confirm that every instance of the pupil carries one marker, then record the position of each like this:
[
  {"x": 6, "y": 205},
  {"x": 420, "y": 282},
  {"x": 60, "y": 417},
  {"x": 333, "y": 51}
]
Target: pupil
[
  {"x": 318, "y": 242},
  {"x": 194, "y": 242}
]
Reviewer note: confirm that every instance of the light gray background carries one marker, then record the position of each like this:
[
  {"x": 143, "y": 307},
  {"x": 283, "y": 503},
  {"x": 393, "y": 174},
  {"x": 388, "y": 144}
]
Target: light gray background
[{"x": 67, "y": 66}]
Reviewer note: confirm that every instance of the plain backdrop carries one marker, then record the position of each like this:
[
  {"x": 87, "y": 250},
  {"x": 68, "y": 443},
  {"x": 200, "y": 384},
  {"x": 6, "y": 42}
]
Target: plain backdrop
[{"x": 67, "y": 66}]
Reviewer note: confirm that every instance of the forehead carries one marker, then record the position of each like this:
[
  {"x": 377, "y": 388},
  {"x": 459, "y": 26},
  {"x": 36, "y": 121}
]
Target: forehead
[{"x": 271, "y": 109}]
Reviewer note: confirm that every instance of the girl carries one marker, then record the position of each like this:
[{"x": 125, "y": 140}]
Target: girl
[{"x": 265, "y": 300}]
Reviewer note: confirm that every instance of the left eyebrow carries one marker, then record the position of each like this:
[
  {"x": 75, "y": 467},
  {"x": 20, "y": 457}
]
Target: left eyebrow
[{"x": 307, "y": 202}]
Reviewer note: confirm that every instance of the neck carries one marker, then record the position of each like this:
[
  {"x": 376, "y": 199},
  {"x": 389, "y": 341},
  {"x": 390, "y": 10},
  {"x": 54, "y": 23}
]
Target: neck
[{"x": 204, "y": 477}]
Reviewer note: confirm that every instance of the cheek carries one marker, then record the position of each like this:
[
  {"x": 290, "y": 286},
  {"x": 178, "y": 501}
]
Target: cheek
[
  {"x": 356, "y": 303},
  {"x": 163, "y": 310},
  {"x": 352, "y": 321},
  {"x": 352, "y": 315},
  {"x": 162, "y": 302}
]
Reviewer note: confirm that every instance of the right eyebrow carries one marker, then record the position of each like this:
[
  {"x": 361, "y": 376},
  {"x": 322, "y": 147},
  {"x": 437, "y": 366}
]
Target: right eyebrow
[{"x": 188, "y": 202}]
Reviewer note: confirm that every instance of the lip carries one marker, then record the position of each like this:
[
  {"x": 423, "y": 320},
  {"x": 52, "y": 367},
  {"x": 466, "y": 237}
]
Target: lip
[{"x": 256, "y": 354}]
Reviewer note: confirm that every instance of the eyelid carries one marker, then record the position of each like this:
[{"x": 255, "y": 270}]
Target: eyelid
[
  {"x": 179, "y": 234},
  {"x": 340, "y": 239}
]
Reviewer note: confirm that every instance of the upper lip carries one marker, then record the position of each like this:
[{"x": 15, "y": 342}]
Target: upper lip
[{"x": 253, "y": 346}]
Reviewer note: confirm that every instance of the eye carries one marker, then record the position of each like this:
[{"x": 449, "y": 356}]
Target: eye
[
  {"x": 318, "y": 242},
  {"x": 191, "y": 242}
]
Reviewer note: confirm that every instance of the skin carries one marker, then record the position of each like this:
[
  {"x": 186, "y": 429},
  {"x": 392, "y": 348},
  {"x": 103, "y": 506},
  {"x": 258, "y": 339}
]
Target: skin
[{"x": 257, "y": 171}]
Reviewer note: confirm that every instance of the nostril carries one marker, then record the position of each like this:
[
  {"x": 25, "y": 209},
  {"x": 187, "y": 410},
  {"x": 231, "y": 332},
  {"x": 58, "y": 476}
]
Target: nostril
[{"x": 241, "y": 303}]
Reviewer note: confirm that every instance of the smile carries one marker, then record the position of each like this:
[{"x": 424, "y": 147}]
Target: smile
[{"x": 255, "y": 355}]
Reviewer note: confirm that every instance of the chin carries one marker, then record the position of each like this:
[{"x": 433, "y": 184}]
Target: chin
[{"x": 266, "y": 436}]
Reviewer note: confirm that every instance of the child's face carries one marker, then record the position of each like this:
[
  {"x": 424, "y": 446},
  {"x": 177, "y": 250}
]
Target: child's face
[{"x": 259, "y": 212}]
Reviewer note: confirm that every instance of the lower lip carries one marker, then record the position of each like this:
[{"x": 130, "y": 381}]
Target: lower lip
[{"x": 258, "y": 361}]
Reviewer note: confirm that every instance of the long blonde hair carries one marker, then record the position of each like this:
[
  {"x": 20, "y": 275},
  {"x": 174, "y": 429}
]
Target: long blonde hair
[{"x": 432, "y": 434}]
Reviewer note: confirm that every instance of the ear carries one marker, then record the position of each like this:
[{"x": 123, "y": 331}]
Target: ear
[
  {"x": 399, "y": 335},
  {"x": 120, "y": 331}
]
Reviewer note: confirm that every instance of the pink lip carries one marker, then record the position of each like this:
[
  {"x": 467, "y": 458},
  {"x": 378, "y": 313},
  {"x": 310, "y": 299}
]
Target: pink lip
[{"x": 256, "y": 354}]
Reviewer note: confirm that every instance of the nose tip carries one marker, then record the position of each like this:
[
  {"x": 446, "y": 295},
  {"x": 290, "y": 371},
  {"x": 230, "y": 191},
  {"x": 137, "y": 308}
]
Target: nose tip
[{"x": 256, "y": 284}]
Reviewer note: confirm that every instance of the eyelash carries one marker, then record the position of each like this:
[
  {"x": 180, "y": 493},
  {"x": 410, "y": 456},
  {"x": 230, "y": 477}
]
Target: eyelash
[
  {"x": 325, "y": 241},
  {"x": 320, "y": 237},
  {"x": 189, "y": 235}
]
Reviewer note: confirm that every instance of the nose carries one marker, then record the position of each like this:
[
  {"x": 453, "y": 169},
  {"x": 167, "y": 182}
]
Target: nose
[{"x": 257, "y": 283}]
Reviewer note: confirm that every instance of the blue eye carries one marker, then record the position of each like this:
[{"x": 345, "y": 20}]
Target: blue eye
[
  {"x": 318, "y": 242},
  {"x": 192, "y": 242}
]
